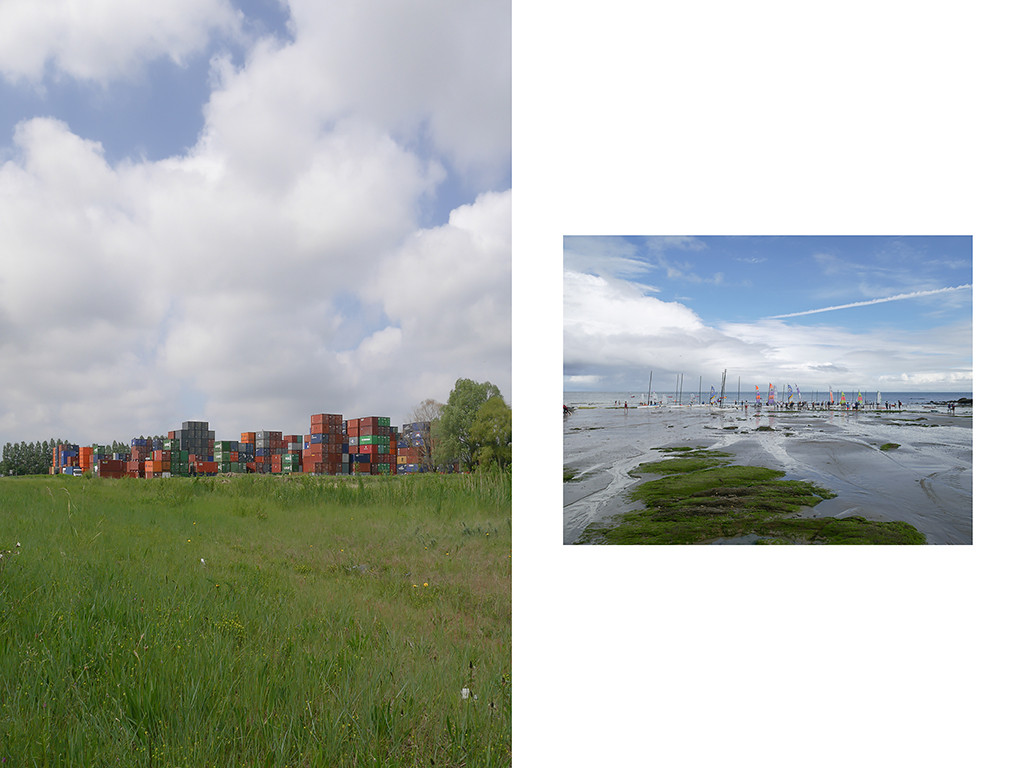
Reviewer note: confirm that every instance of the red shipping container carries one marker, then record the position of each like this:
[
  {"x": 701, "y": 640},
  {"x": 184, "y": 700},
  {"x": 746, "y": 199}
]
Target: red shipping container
[{"x": 112, "y": 468}]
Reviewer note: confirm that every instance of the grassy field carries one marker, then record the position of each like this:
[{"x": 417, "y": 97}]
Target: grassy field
[{"x": 256, "y": 621}]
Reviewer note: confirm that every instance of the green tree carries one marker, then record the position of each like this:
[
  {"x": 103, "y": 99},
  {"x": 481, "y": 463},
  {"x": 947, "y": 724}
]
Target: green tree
[
  {"x": 491, "y": 432},
  {"x": 454, "y": 444}
]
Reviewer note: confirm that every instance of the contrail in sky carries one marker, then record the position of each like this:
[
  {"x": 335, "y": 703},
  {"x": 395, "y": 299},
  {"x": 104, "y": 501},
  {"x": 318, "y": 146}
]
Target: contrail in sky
[{"x": 913, "y": 295}]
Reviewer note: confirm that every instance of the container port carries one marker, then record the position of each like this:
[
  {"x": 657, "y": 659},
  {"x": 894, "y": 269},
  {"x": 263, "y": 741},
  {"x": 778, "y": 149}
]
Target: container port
[{"x": 369, "y": 445}]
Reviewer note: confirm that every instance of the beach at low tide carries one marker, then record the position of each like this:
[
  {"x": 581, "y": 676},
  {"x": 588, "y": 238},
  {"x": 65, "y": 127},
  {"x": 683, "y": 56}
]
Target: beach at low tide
[{"x": 926, "y": 481}]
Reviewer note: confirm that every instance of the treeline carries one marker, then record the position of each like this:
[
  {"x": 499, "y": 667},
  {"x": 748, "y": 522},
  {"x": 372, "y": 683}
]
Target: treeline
[
  {"x": 28, "y": 458},
  {"x": 37, "y": 458}
]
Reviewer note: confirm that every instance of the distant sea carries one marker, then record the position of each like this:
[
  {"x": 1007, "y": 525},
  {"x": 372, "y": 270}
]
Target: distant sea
[{"x": 912, "y": 399}]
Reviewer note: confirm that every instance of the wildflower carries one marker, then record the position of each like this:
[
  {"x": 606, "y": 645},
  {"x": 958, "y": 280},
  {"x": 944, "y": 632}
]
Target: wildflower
[
  {"x": 465, "y": 693},
  {"x": 424, "y": 583},
  {"x": 202, "y": 560}
]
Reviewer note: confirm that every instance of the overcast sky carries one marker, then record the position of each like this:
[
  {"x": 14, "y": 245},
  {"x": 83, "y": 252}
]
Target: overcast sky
[
  {"x": 246, "y": 212},
  {"x": 878, "y": 313}
]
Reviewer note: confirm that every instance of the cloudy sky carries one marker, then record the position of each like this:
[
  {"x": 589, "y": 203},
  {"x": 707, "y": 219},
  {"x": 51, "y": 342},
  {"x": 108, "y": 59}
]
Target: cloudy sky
[
  {"x": 248, "y": 211},
  {"x": 888, "y": 313}
]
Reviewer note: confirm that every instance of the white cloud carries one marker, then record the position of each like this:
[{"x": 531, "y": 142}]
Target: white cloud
[
  {"x": 612, "y": 257},
  {"x": 100, "y": 40},
  {"x": 280, "y": 267},
  {"x": 614, "y": 331},
  {"x": 404, "y": 66}
]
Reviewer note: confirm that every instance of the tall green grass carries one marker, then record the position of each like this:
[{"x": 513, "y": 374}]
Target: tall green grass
[{"x": 334, "y": 622}]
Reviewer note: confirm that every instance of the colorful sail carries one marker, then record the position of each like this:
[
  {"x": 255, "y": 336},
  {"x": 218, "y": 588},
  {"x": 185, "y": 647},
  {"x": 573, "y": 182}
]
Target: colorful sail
[
  {"x": 712, "y": 400},
  {"x": 860, "y": 398},
  {"x": 830, "y": 401},
  {"x": 757, "y": 393},
  {"x": 842, "y": 397},
  {"x": 771, "y": 394},
  {"x": 789, "y": 392}
]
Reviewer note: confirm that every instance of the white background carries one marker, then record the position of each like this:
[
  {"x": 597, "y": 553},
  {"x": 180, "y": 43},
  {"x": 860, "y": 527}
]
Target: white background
[{"x": 654, "y": 118}]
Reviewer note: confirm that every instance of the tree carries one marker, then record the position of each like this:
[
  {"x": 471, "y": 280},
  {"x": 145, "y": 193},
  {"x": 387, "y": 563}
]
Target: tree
[
  {"x": 491, "y": 432},
  {"x": 27, "y": 458},
  {"x": 454, "y": 443}
]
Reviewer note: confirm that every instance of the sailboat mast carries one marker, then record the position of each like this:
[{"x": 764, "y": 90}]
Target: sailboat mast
[{"x": 649, "y": 383}]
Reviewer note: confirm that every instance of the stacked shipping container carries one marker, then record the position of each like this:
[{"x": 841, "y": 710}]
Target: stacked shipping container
[
  {"x": 374, "y": 451},
  {"x": 413, "y": 448},
  {"x": 325, "y": 448},
  {"x": 369, "y": 445}
]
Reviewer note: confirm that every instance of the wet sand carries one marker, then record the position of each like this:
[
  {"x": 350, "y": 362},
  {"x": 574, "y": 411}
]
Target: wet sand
[{"x": 926, "y": 482}]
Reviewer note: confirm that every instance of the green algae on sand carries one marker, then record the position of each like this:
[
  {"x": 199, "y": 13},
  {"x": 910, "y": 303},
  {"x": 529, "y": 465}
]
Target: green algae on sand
[{"x": 701, "y": 497}]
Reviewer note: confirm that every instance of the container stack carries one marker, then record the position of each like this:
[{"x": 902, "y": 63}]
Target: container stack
[
  {"x": 324, "y": 449},
  {"x": 138, "y": 453},
  {"x": 107, "y": 467},
  {"x": 247, "y": 451},
  {"x": 65, "y": 460},
  {"x": 171, "y": 453},
  {"x": 205, "y": 468},
  {"x": 267, "y": 445},
  {"x": 412, "y": 447},
  {"x": 105, "y": 464},
  {"x": 85, "y": 458},
  {"x": 228, "y": 457},
  {"x": 158, "y": 464},
  {"x": 291, "y": 458},
  {"x": 371, "y": 447},
  {"x": 195, "y": 440}
]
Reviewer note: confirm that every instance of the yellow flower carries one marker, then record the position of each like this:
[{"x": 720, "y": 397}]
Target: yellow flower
[{"x": 424, "y": 583}]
